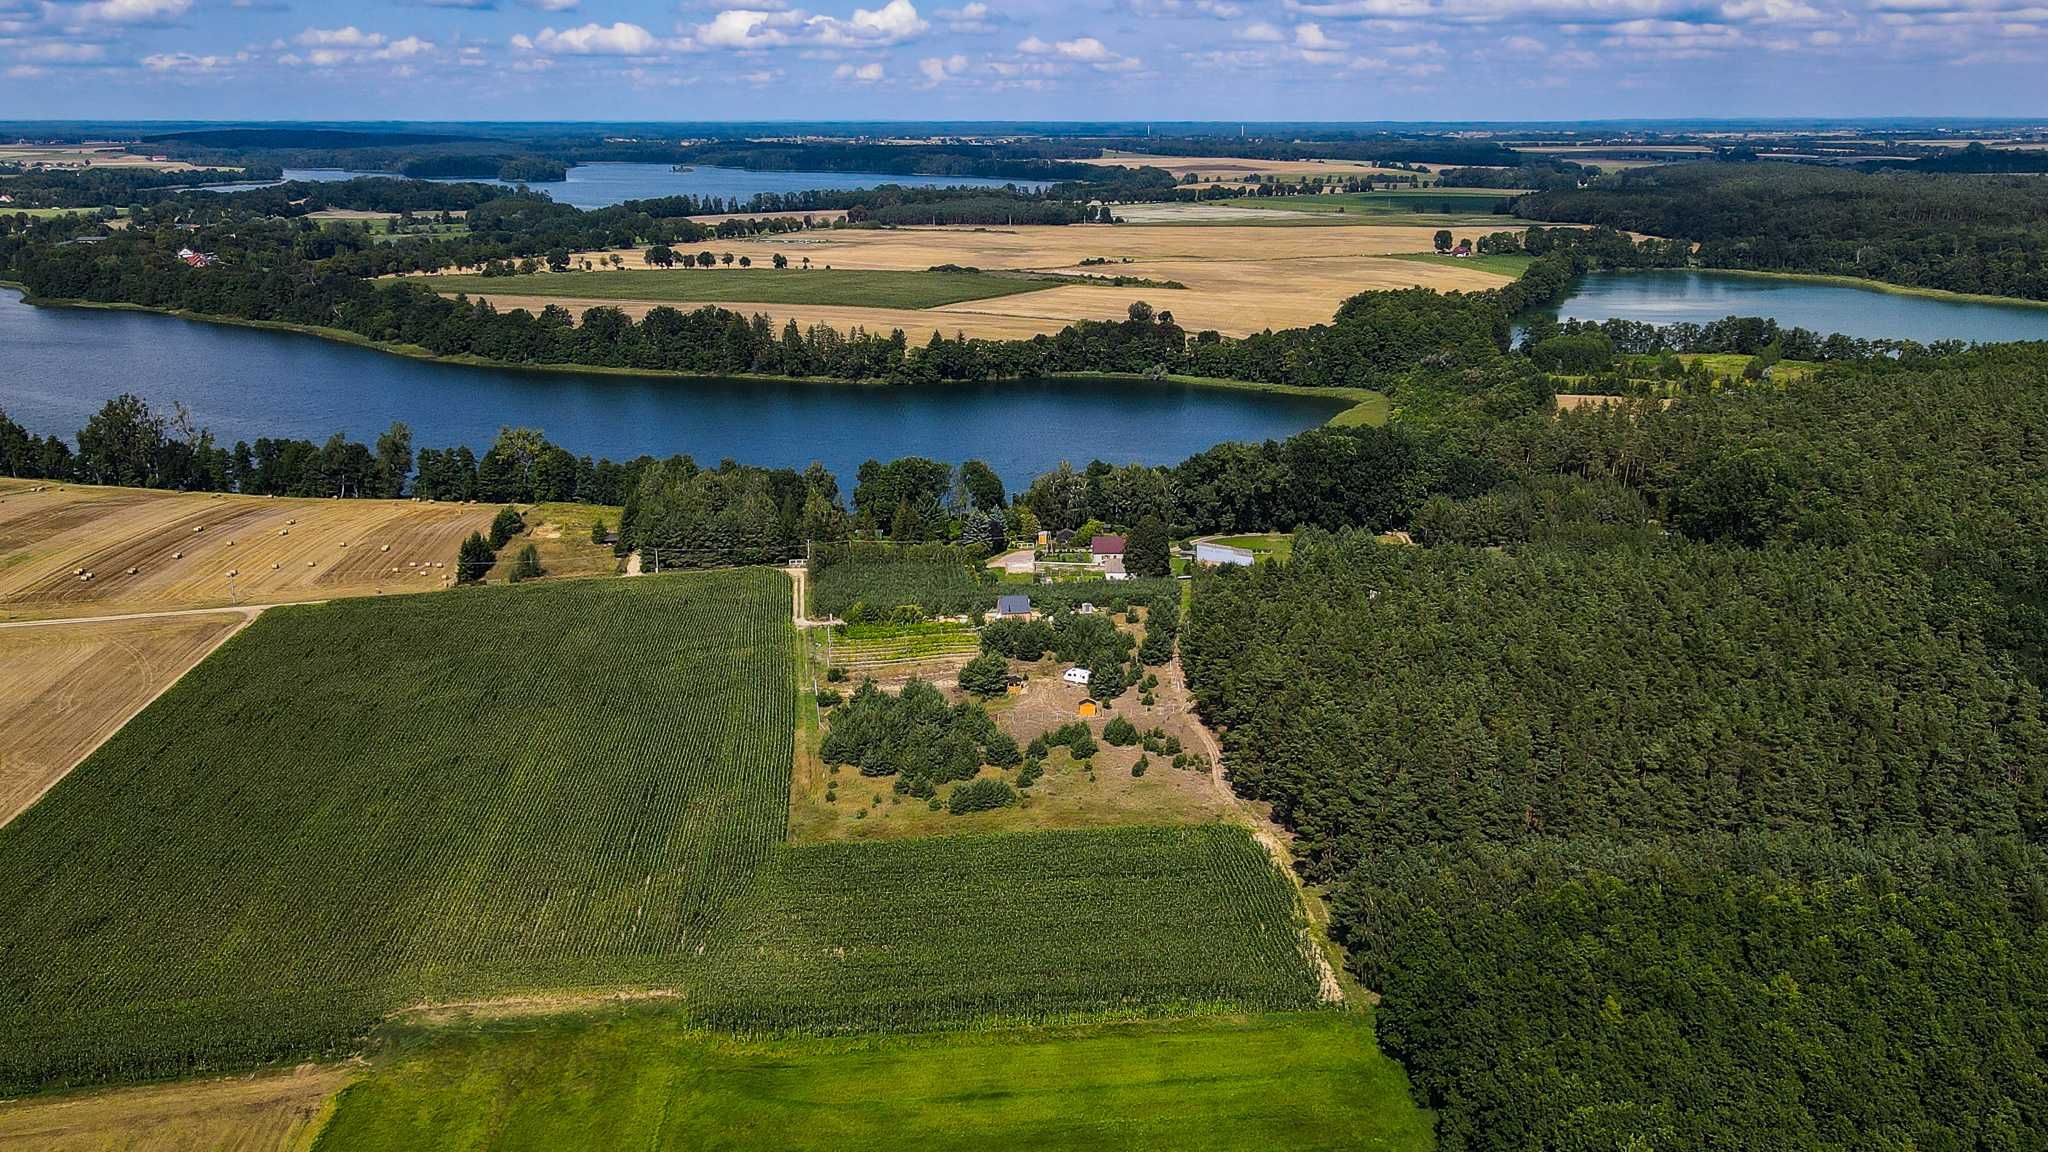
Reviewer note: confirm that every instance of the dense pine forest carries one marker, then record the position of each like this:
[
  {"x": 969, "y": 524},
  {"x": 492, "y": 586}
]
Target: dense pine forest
[
  {"x": 1703, "y": 805},
  {"x": 1957, "y": 232}
]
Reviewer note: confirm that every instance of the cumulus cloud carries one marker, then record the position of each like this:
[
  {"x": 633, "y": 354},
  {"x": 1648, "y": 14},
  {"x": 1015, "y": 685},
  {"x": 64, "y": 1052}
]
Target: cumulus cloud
[
  {"x": 936, "y": 69},
  {"x": 1081, "y": 50},
  {"x": 333, "y": 47},
  {"x": 129, "y": 11},
  {"x": 969, "y": 19},
  {"x": 892, "y": 23},
  {"x": 1260, "y": 32},
  {"x": 616, "y": 39},
  {"x": 746, "y": 28},
  {"x": 555, "y": 5},
  {"x": 862, "y": 73}
]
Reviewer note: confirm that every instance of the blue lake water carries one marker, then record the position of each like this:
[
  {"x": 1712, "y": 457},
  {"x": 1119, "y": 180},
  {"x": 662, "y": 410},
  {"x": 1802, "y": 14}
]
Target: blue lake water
[
  {"x": 62, "y": 364},
  {"x": 1669, "y": 296},
  {"x": 602, "y": 185}
]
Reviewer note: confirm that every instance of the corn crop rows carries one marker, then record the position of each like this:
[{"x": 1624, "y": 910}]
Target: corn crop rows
[
  {"x": 358, "y": 805},
  {"x": 915, "y": 933}
]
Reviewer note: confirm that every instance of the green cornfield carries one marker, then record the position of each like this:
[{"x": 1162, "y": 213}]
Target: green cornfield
[
  {"x": 359, "y": 805},
  {"x": 872, "y": 935},
  {"x": 939, "y": 578}
]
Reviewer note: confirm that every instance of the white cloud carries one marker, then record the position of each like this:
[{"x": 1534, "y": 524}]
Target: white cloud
[
  {"x": 969, "y": 19},
  {"x": 617, "y": 39},
  {"x": 937, "y": 69},
  {"x": 865, "y": 73},
  {"x": 349, "y": 37},
  {"x": 186, "y": 62},
  {"x": 129, "y": 11},
  {"x": 746, "y": 28},
  {"x": 892, "y": 23},
  {"x": 1311, "y": 36},
  {"x": 1260, "y": 32}
]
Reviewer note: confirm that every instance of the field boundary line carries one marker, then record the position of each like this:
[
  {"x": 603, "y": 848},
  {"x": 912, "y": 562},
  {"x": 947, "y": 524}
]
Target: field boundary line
[
  {"x": 248, "y": 615},
  {"x": 248, "y": 611},
  {"x": 1315, "y": 942}
]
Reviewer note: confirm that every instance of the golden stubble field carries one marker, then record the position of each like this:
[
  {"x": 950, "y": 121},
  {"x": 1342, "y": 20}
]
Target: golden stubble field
[
  {"x": 66, "y": 687},
  {"x": 1240, "y": 279},
  {"x": 1235, "y": 169},
  {"x": 200, "y": 550},
  {"x": 271, "y": 1112}
]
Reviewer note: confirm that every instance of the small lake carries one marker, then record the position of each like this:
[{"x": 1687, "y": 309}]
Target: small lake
[
  {"x": 1669, "y": 296},
  {"x": 603, "y": 185},
  {"x": 62, "y": 364}
]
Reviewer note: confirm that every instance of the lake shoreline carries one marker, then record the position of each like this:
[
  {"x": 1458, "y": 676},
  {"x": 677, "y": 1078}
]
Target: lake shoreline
[
  {"x": 1839, "y": 281},
  {"x": 1369, "y": 406}
]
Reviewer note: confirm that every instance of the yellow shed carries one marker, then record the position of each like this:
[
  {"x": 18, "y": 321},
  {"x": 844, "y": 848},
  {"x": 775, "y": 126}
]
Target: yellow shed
[{"x": 1087, "y": 707}]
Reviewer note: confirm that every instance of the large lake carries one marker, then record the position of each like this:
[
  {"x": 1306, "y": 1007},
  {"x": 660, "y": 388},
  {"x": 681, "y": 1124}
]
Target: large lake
[
  {"x": 62, "y": 364},
  {"x": 1668, "y": 296},
  {"x": 602, "y": 185}
]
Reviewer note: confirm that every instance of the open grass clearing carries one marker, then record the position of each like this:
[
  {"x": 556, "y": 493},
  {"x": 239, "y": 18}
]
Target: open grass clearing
[
  {"x": 1277, "y": 545},
  {"x": 1300, "y": 1081},
  {"x": 271, "y": 1112},
  {"x": 82, "y": 156},
  {"x": 560, "y": 535},
  {"x": 1511, "y": 265},
  {"x": 66, "y": 687},
  {"x": 183, "y": 545},
  {"x": 832, "y": 286}
]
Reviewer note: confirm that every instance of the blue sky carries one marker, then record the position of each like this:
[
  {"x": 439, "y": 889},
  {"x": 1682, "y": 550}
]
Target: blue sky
[{"x": 1020, "y": 59}]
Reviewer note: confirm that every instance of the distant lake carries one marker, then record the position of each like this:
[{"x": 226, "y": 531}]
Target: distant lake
[
  {"x": 602, "y": 185},
  {"x": 62, "y": 364},
  {"x": 1669, "y": 296}
]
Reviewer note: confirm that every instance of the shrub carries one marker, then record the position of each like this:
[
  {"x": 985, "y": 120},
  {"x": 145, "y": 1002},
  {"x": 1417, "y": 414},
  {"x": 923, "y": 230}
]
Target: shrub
[
  {"x": 827, "y": 697},
  {"x": 526, "y": 565},
  {"x": 1120, "y": 732},
  {"x": 981, "y": 796},
  {"x": 1143, "y": 763},
  {"x": 597, "y": 531},
  {"x": 474, "y": 559},
  {"x": 505, "y": 526},
  {"x": 986, "y": 675},
  {"x": 835, "y": 675},
  {"x": 1029, "y": 774}
]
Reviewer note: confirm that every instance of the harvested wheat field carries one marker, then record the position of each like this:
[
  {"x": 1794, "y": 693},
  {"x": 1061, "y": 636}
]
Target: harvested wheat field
[
  {"x": 65, "y": 687},
  {"x": 274, "y": 1112},
  {"x": 77, "y": 550},
  {"x": 1237, "y": 168},
  {"x": 1239, "y": 279}
]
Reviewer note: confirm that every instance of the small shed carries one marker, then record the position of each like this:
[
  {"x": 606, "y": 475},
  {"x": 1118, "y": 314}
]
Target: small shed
[
  {"x": 1206, "y": 553},
  {"x": 1087, "y": 708},
  {"x": 1063, "y": 537},
  {"x": 1076, "y": 676},
  {"x": 1013, "y": 606},
  {"x": 1104, "y": 547}
]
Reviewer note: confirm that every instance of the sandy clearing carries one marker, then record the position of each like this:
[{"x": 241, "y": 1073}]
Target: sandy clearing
[
  {"x": 915, "y": 323},
  {"x": 65, "y": 688},
  {"x": 83, "y": 156},
  {"x": 272, "y": 1112},
  {"x": 279, "y": 549}
]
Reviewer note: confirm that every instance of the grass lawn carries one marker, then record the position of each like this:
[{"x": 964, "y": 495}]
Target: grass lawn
[
  {"x": 1513, "y": 264},
  {"x": 1729, "y": 365},
  {"x": 560, "y": 533},
  {"x": 839, "y": 286},
  {"x": 644, "y": 1080},
  {"x": 1278, "y": 545},
  {"x": 45, "y": 213}
]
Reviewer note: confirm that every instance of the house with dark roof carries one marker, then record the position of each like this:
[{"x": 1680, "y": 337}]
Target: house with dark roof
[{"x": 1013, "y": 606}]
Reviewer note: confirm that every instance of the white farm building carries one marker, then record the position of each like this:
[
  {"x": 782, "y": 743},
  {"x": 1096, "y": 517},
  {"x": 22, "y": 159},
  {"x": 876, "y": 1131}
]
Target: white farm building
[{"x": 1207, "y": 553}]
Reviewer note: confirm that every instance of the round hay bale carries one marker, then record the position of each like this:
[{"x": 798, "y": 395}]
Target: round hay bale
[
  {"x": 273, "y": 566},
  {"x": 232, "y": 573},
  {"x": 284, "y": 531},
  {"x": 177, "y": 555},
  {"x": 78, "y": 571},
  {"x": 384, "y": 548},
  {"x": 198, "y": 528},
  {"x": 132, "y": 571},
  {"x": 309, "y": 564},
  {"x": 231, "y": 543}
]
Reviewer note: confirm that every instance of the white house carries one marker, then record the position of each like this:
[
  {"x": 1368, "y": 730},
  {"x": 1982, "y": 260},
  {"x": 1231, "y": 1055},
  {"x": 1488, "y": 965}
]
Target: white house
[
  {"x": 1206, "y": 553},
  {"x": 1076, "y": 676}
]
